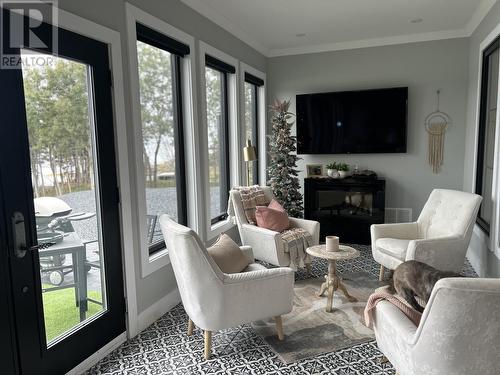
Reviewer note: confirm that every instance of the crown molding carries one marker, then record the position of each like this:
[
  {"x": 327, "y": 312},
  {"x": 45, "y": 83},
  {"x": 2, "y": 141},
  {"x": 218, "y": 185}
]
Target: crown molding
[
  {"x": 366, "y": 43},
  {"x": 207, "y": 11},
  {"x": 481, "y": 11}
]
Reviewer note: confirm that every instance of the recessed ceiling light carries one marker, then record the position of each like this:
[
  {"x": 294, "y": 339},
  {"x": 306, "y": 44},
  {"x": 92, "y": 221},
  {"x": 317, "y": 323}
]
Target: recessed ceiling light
[
  {"x": 417, "y": 20},
  {"x": 301, "y": 35}
]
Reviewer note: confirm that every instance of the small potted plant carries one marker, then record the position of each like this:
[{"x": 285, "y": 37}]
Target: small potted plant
[
  {"x": 331, "y": 170},
  {"x": 342, "y": 168}
]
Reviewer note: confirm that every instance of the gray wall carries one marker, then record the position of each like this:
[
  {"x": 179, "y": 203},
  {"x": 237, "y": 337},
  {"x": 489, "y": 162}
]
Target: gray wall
[
  {"x": 423, "y": 67},
  {"x": 111, "y": 13},
  {"x": 483, "y": 260}
]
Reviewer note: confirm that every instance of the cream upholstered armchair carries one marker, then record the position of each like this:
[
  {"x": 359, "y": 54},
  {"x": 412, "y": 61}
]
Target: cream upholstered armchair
[
  {"x": 440, "y": 237},
  {"x": 215, "y": 300},
  {"x": 267, "y": 244},
  {"x": 459, "y": 332}
]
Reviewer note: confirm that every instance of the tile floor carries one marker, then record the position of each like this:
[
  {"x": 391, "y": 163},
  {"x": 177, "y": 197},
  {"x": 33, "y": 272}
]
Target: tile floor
[{"x": 164, "y": 347}]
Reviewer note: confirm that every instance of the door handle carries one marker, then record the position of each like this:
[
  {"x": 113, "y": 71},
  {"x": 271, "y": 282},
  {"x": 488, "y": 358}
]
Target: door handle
[{"x": 19, "y": 235}]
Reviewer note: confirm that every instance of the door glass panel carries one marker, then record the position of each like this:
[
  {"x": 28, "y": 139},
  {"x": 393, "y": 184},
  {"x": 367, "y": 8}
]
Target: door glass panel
[
  {"x": 65, "y": 185},
  {"x": 159, "y": 154}
]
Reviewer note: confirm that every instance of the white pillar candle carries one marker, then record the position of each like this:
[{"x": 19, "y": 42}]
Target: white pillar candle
[{"x": 332, "y": 243}]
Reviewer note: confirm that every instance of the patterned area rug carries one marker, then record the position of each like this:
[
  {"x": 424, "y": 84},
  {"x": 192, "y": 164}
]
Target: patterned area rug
[{"x": 310, "y": 330}]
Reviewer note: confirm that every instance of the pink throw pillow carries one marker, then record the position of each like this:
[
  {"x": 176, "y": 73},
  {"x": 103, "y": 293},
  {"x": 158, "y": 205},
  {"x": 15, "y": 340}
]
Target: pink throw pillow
[
  {"x": 273, "y": 217},
  {"x": 275, "y": 205}
]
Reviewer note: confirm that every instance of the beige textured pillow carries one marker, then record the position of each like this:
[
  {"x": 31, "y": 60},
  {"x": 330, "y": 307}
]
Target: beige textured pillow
[{"x": 228, "y": 255}]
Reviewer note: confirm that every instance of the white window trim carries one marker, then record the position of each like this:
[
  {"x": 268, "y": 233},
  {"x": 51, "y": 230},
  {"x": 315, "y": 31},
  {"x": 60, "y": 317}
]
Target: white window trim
[
  {"x": 152, "y": 263},
  {"x": 261, "y": 121},
  {"x": 212, "y": 231},
  {"x": 494, "y": 237}
]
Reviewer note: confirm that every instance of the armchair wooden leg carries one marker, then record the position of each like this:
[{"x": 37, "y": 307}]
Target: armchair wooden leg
[
  {"x": 190, "y": 327},
  {"x": 279, "y": 327},
  {"x": 308, "y": 268},
  {"x": 208, "y": 343},
  {"x": 381, "y": 275}
]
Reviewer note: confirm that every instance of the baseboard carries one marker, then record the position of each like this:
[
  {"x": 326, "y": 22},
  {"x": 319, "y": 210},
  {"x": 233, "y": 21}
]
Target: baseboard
[
  {"x": 157, "y": 310},
  {"x": 97, "y": 356}
]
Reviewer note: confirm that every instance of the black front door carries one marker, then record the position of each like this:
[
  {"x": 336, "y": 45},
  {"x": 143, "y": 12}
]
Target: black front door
[{"x": 61, "y": 269}]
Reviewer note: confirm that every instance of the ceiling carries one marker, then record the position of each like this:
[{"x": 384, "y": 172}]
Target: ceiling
[{"x": 288, "y": 27}]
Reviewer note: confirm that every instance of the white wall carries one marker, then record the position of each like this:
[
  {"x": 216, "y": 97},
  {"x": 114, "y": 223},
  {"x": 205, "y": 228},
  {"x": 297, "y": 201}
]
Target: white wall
[
  {"x": 424, "y": 68},
  {"x": 483, "y": 260}
]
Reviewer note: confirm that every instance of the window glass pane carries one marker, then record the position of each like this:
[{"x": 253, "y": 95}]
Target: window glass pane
[
  {"x": 486, "y": 210},
  {"x": 159, "y": 154},
  {"x": 215, "y": 123},
  {"x": 249, "y": 111},
  {"x": 251, "y": 125}
]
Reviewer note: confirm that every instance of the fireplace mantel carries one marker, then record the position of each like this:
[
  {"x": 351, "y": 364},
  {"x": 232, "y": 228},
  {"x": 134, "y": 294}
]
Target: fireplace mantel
[{"x": 345, "y": 207}]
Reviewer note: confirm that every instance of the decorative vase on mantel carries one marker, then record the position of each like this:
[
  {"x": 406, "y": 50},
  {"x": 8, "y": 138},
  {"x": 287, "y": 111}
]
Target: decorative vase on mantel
[
  {"x": 342, "y": 174},
  {"x": 332, "y": 173}
]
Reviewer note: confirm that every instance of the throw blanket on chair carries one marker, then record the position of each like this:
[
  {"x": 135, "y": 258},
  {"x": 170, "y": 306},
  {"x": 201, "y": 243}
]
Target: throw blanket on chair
[
  {"x": 295, "y": 242},
  {"x": 251, "y": 197},
  {"x": 397, "y": 301}
]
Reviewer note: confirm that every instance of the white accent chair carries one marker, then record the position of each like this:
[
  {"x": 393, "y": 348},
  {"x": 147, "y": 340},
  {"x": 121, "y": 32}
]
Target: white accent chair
[
  {"x": 459, "y": 332},
  {"x": 267, "y": 244},
  {"x": 440, "y": 237},
  {"x": 215, "y": 300}
]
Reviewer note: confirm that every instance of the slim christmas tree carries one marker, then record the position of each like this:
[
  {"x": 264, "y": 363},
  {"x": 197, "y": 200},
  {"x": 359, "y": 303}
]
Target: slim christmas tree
[{"x": 283, "y": 164}]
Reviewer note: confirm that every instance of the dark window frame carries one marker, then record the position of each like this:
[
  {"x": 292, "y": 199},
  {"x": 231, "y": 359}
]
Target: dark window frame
[
  {"x": 178, "y": 51},
  {"x": 224, "y": 171},
  {"x": 495, "y": 45},
  {"x": 256, "y": 83}
]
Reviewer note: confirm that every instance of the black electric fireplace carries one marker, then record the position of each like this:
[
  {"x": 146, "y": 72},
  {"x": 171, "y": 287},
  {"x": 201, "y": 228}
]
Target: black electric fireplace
[{"x": 345, "y": 207}]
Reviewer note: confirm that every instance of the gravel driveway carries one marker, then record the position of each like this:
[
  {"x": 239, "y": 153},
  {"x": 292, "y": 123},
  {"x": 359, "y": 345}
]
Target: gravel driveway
[{"x": 160, "y": 201}]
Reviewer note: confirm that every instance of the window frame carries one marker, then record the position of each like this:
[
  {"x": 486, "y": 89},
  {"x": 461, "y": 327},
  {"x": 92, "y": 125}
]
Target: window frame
[
  {"x": 160, "y": 259},
  {"x": 481, "y": 141},
  {"x": 224, "y": 171},
  {"x": 232, "y": 111},
  {"x": 255, "y": 84},
  {"x": 250, "y": 73},
  {"x": 177, "y": 52}
]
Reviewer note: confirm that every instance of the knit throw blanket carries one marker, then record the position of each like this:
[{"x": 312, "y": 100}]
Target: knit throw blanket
[
  {"x": 295, "y": 242},
  {"x": 397, "y": 301},
  {"x": 251, "y": 197}
]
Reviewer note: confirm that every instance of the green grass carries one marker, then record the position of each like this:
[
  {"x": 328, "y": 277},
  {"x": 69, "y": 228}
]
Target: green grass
[{"x": 61, "y": 313}]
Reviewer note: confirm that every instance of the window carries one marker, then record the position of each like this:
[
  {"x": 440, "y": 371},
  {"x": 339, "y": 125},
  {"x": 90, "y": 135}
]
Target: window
[
  {"x": 216, "y": 81},
  {"x": 487, "y": 129},
  {"x": 159, "y": 62},
  {"x": 251, "y": 130}
]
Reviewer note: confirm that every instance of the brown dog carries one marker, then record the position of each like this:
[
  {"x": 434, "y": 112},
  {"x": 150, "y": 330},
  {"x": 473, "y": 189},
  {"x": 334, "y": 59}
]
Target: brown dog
[{"x": 416, "y": 279}]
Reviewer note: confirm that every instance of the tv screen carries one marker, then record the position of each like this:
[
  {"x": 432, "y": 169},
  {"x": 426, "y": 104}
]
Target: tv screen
[{"x": 352, "y": 122}]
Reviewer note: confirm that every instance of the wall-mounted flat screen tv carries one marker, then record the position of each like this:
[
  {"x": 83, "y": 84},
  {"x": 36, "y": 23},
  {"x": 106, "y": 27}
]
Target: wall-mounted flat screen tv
[{"x": 353, "y": 122}]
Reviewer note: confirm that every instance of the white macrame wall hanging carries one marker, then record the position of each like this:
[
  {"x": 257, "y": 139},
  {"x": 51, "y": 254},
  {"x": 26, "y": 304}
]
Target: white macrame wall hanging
[{"x": 436, "y": 124}]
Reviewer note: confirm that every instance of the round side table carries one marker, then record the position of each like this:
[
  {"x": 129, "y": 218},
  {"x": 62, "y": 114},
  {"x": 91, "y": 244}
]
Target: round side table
[{"x": 332, "y": 281}]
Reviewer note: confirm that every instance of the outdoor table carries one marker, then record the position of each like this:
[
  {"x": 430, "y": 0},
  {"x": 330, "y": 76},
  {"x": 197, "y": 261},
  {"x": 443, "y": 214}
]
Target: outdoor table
[{"x": 71, "y": 244}]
